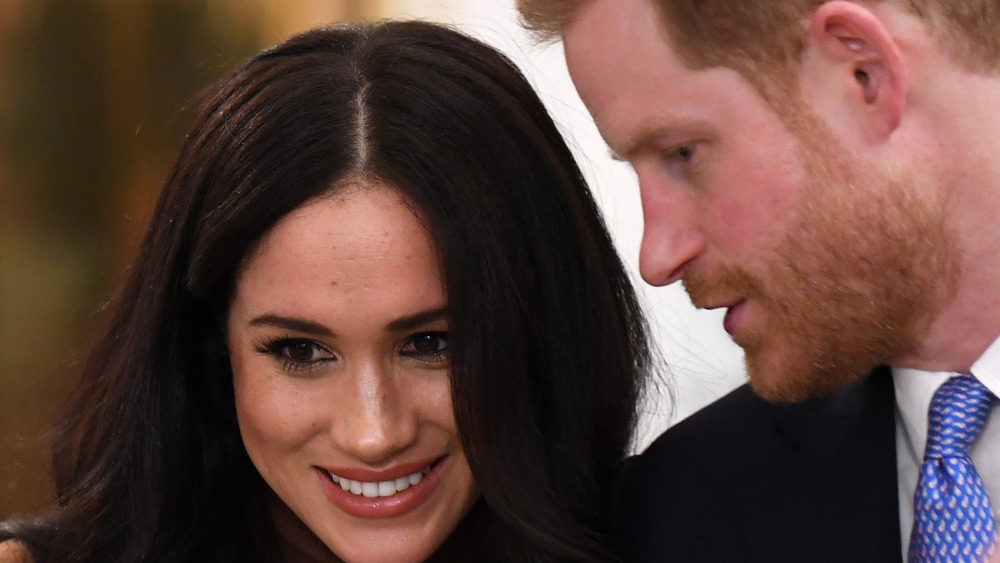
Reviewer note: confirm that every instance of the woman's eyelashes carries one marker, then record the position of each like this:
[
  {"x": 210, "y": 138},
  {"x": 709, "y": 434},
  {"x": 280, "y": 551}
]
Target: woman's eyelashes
[
  {"x": 298, "y": 355},
  {"x": 427, "y": 347}
]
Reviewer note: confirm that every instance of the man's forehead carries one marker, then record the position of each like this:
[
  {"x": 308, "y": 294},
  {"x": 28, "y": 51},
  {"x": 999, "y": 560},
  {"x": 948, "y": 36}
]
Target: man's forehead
[
  {"x": 596, "y": 23},
  {"x": 607, "y": 70}
]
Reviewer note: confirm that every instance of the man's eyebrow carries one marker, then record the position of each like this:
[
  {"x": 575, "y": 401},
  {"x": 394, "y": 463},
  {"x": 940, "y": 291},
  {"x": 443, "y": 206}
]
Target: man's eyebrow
[
  {"x": 641, "y": 138},
  {"x": 417, "y": 319},
  {"x": 291, "y": 323}
]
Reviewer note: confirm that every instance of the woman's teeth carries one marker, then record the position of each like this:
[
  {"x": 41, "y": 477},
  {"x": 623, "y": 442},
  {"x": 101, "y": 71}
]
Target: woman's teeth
[{"x": 380, "y": 488}]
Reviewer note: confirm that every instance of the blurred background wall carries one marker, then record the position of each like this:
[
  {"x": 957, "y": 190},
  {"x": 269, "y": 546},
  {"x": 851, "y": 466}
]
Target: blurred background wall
[{"x": 94, "y": 97}]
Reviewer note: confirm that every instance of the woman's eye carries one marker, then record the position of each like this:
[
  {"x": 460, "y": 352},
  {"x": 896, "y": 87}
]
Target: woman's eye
[
  {"x": 299, "y": 355},
  {"x": 427, "y": 346},
  {"x": 301, "y": 352}
]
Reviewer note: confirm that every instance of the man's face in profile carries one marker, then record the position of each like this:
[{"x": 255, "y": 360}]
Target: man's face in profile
[{"x": 827, "y": 264}]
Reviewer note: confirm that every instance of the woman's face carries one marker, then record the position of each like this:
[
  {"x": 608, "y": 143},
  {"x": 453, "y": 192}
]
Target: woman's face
[{"x": 339, "y": 347}]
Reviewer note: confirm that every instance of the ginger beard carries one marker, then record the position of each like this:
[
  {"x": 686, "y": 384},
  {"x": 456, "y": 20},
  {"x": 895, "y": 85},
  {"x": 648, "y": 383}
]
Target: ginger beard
[{"x": 867, "y": 263}]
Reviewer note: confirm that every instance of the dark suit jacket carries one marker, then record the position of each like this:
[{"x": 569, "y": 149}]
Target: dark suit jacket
[{"x": 745, "y": 480}]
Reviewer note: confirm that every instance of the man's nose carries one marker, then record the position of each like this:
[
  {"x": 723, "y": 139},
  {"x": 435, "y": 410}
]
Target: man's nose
[{"x": 671, "y": 236}]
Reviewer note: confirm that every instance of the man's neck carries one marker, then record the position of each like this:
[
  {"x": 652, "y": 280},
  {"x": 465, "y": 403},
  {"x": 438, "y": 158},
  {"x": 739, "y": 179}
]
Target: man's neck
[{"x": 954, "y": 134}]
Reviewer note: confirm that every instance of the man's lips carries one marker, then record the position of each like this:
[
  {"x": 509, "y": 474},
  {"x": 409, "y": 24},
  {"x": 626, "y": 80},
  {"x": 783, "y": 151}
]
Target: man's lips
[
  {"x": 734, "y": 314},
  {"x": 734, "y": 317}
]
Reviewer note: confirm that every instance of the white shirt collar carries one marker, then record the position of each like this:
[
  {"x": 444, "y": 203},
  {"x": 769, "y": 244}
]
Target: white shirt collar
[
  {"x": 915, "y": 389},
  {"x": 987, "y": 368}
]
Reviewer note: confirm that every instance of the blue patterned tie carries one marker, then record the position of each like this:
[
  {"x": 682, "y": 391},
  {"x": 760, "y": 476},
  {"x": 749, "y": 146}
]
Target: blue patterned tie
[{"x": 954, "y": 519}]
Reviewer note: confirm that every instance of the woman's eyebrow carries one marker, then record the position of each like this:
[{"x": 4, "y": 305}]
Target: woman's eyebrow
[
  {"x": 417, "y": 319},
  {"x": 291, "y": 323}
]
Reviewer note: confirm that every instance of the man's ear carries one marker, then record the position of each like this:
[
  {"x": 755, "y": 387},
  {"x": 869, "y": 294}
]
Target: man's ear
[{"x": 853, "y": 68}]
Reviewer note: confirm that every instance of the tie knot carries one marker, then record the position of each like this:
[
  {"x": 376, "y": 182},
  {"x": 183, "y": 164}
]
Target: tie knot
[{"x": 957, "y": 415}]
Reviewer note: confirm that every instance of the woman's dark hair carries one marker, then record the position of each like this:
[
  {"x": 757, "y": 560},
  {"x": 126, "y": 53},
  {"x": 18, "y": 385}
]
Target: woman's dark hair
[{"x": 549, "y": 347}]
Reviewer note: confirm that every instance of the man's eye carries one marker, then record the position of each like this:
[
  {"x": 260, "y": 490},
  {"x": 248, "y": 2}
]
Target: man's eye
[
  {"x": 680, "y": 153},
  {"x": 427, "y": 346},
  {"x": 682, "y": 162},
  {"x": 684, "y": 152}
]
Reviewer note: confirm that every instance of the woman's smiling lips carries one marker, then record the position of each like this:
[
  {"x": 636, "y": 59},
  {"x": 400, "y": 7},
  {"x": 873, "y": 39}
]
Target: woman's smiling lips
[
  {"x": 367, "y": 493},
  {"x": 380, "y": 488}
]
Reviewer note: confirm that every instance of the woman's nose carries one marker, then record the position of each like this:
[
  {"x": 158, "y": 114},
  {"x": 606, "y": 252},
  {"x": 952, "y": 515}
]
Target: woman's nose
[{"x": 375, "y": 418}]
